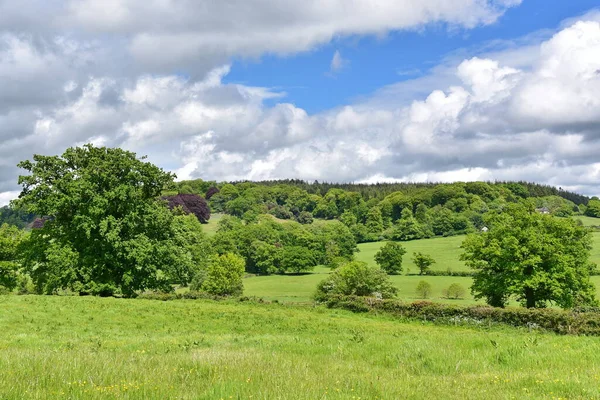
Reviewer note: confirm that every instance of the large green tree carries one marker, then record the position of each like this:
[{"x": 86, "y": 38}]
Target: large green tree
[
  {"x": 538, "y": 259},
  {"x": 106, "y": 230}
]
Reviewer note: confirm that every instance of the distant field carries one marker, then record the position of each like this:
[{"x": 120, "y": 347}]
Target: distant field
[
  {"x": 445, "y": 251},
  {"x": 104, "y": 348},
  {"x": 588, "y": 221},
  {"x": 211, "y": 227},
  {"x": 300, "y": 288}
]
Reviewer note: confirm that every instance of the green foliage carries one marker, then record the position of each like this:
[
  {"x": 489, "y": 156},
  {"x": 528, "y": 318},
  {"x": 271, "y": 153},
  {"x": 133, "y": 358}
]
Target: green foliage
[
  {"x": 224, "y": 276},
  {"x": 191, "y": 250},
  {"x": 423, "y": 262},
  {"x": 407, "y": 227},
  {"x": 358, "y": 279},
  {"x": 297, "y": 259},
  {"x": 11, "y": 239},
  {"x": 389, "y": 258},
  {"x": 593, "y": 208},
  {"x": 18, "y": 218},
  {"x": 305, "y": 218},
  {"x": 423, "y": 289},
  {"x": 537, "y": 258},
  {"x": 106, "y": 228},
  {"x": 374, "y": 222},
  {"x": 455, "y": 291}
]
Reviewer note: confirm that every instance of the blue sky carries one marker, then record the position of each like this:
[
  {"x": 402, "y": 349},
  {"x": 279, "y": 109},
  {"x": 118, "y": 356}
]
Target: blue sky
[
  {"x": 374, "y": 62},
  {"x": 428, "y": 90}
]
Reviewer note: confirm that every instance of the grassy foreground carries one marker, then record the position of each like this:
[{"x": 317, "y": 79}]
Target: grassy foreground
[{"x": 74, "y": 348}]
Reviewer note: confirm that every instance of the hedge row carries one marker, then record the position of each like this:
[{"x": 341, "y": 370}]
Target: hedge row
[
  {"x": 193, "y": 295},
  {"x": 450, "y": 273},
  {"x": 572, "y": 322}
]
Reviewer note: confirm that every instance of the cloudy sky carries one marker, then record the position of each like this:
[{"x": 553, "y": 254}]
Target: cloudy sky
[{"x": 336, "y": 90}]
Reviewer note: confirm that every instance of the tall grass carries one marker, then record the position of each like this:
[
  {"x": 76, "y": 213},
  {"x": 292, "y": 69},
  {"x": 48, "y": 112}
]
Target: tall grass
[{"x": 93, "y": 348}]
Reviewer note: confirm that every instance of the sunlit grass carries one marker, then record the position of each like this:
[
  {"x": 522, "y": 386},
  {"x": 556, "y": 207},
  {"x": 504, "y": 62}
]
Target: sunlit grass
[{"x": 80, "y": 348}]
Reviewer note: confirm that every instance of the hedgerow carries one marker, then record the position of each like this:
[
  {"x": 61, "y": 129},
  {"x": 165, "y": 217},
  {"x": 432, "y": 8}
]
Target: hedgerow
[{"x": 571, "y": 322}]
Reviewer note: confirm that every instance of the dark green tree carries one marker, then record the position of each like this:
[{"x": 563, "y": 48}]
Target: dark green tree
[
  {"x": 389, "y": 258},
  {"x": 297, "y": 259},
  {"x": 539, "y": 259},
  {"x": 593, "y": 208}
]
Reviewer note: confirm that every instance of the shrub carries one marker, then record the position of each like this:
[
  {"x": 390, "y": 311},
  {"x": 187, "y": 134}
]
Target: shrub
[
  {"x": 281, "y": 212},
  {"x": 455, "y": 291},
  {"x": 224, "y": 276},
  {"x": 389, "y": 257},
  {"x": 197, "y": 280},
  {"x": 358, "y": 279},
  {"x": 25, "y": 284},
  {"x": 305, "y": 218},
  {"x": 423, "y": 289}
]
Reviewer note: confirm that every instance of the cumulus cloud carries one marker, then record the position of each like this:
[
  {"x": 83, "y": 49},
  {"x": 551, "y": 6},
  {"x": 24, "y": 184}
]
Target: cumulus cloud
[{"x": 530, "y": 111}]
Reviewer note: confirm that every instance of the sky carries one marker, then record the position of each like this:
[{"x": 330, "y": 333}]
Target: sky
[{"x": 328, "y": 90}]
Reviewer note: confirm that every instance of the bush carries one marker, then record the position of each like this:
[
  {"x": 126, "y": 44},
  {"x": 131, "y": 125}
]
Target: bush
[
  {"x": 305, "y": 218},
  {"x": 25, "y": 285},
  {"x": 224, "y": 276},
  {"x": 197, "y": 280},
  {"x": 356, "y": 278},
  {"x": 423, "y": 289},
  {"x": 455, "y": 291}
]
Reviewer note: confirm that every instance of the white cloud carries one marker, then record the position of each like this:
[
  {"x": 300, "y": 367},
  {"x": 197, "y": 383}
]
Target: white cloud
[
  {"x": 337, "y": 62},
  {"x": 528, "y": 111}
]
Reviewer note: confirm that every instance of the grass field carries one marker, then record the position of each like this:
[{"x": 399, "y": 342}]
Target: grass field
[
  {"x": 210, "y": 228},
  {"x": 300, "y": 288},
  {"x": 104, "y": 348},
  {"x": 446, "y": 252},
  {"x": 588, "y": 221}
]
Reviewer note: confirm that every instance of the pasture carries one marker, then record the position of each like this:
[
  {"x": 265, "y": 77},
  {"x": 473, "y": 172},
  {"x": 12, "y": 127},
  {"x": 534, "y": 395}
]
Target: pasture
[{"x": 106, "y": 348}]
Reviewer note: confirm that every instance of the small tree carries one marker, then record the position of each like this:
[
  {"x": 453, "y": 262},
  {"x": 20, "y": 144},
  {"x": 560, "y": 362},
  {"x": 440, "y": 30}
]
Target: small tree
[
  {"x": 423, "y": 289},
  {"x": 224, "y": 276},
  {"x": 455, "y": 291},
  {"x": 423, "y": 262},
  {"x": 358, "y": 279},
  {"x": 389, "y": 258}
]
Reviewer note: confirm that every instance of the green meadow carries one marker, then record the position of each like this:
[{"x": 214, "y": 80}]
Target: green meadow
[
  {"x": 107, "y": 348},
  {"x": 446, "y": 252}
]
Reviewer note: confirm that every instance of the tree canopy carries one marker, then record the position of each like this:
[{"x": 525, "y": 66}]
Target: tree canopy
[
  {"x": 537, "y": 259},
  {"x": 106, "y": 229}
]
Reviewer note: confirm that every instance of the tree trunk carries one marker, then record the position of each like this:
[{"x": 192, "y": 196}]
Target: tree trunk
[{"x": 529, "y": 297}]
